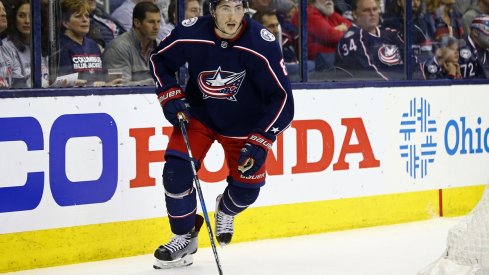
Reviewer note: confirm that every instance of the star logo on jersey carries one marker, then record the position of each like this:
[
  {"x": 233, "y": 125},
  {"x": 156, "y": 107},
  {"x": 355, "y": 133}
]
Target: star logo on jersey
[
  {"x": 220, "y": 84},
  {"x": 275, "y": 130},
  {"x": 390, "y": 55}
]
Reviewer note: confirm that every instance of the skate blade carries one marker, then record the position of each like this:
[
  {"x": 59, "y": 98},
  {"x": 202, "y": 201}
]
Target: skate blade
[{"x": 184, "y": 261}]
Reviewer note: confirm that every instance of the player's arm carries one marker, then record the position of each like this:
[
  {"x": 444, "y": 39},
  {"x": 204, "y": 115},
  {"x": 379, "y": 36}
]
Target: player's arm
[
  {"x": 278, "y": 100},
  {"x": 278, "y": 104},
  {"x": 164, "y": 63},
  {"x": 323, "y": 31}
]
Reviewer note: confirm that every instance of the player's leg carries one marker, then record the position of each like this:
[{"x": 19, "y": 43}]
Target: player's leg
[
  {"x": 240, "y": 193},
  {"x": 234, "y": 200},
  {"x": 180, "y": 196}
]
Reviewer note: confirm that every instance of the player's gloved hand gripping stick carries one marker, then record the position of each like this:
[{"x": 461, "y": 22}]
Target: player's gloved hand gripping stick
[
  {"x": 182, "y": 120},
  {"x": 254, "y": 152},
  {"x": 173, "y": 103}
]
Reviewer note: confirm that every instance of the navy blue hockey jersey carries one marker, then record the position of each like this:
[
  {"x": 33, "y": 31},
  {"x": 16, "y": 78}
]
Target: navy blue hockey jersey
[
  {"x": 85, "y": 59},
  {"x": 469, "y": 61},
  {"x": 372, "y": 56},
  {"x": 234, "y": 86}
]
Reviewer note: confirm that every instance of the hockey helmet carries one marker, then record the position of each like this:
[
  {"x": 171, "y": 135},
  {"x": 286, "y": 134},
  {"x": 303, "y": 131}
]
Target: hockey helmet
[
  {"x": 213, "y": 3},
  {"x": 480, "y": 28}
]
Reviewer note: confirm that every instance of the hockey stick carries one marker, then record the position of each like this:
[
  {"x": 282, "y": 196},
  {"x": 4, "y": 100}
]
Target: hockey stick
[{"x": 181, "y": 120}]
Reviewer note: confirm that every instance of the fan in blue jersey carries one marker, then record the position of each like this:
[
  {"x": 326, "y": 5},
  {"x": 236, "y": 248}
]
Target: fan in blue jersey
[
  {"x": 445, "y": 63},
  {"x": 479, "y": 40},
  {"x": 462, "y": 58},
  {"x": 368, "y": 50},
  {"x": 237, "y": 94},
  {"x": 78, "y": 53}
]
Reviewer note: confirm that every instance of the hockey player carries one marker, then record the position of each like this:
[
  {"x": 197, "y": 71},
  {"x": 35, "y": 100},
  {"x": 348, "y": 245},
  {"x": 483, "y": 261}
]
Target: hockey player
[
  {"x": 237, "y": 94},
  {"x": 369, "y": 50}
]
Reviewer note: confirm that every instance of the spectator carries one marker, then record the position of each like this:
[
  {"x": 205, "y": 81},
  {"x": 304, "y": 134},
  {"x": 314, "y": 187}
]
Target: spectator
[
  {"x": 3, "y": 22},
  {"x": 443, "y": 20},
  {"x": 129, "y": 53},
  {"x": 78, "y": 53},
  {"x": 19, "y": 35},
  {"x": 123, "y": 14},
  {"x": 285, "y": 13},
  {"x": 394, "y": 19},
  {"x": 458, "y": 58},
  {"x": 270, "y": 21},
  {"x": 343, "y": 7},
  {"x": 192, "y": 9},
  {"x": 482, "y": 7},
  {"x": 10, "y": 69},
  {"x": 462, "y": 6},
  {"x": 114, "y": 4},
  {"x": 286, "y": 10},
  {"x": 477, "y": 51},
  {"x": 325, "y": 29},
  {"x": 444, "y": 64},
  {"x": 263, "y": 5},
  {"x": 163, "y": 6},
  {"x": 368, "y": 50},
  {"x": 103, "y": 28}
]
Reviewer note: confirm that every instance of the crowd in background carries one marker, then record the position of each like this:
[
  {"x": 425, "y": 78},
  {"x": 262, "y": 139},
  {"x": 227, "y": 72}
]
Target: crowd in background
[{"x": 109, "y": 45}]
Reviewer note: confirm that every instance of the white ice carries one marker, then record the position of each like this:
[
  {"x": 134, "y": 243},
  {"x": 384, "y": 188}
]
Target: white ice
[{"x": 401, "y": 249}]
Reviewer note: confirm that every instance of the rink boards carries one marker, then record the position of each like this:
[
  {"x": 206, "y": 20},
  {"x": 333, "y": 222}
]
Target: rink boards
[{"x": 80, "y": 175}]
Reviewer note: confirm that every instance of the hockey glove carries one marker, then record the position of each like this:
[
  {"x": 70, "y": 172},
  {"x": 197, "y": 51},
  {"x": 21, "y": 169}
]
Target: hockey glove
[
  {"x": 254, "y": 152},
  {"x": 173, "y": 102}
]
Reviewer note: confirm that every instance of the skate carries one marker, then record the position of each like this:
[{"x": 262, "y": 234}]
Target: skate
[
  {"x": 224, "y": 225},
  {"x": 178, "y": 252}
]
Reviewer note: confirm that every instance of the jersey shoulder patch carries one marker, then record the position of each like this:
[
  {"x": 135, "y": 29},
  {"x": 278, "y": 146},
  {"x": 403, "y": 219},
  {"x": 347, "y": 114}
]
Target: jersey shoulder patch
[
  {"x": 267, "y": 35},
  {"x": 465, "y": 53},
  {"x": 432, "y": 68},
  {"x": 189, "y": 22}
]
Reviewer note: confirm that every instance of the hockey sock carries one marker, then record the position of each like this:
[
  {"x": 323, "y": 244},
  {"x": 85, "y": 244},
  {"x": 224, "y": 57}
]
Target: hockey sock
[
  {"x": 236, "y": 199},
  {"x": 181, "y": 203}
]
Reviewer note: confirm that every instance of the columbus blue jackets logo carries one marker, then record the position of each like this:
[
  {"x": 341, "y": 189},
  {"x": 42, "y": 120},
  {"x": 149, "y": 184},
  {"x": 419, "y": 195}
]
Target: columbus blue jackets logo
[
  {"x": 432, "y": 68},
  {"x": 220, "y": 84},
  {"x": 189, "y": 22},
  {"x": 465, "y": 53},
  {"x": 267, "y": 35},
  {"x": 390, "y": 55}
]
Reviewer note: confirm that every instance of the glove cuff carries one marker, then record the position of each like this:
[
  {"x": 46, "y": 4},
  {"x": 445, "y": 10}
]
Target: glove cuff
[
  {"x": 169, "y": 95},
  {"x": 261, "y": 139}
]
